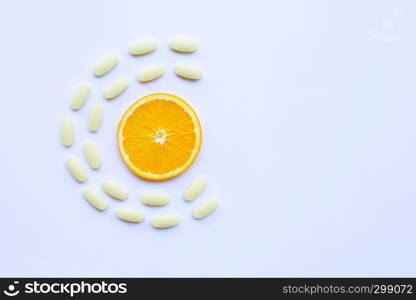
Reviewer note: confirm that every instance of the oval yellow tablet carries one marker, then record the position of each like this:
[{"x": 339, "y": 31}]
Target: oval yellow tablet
[
  {"x": 67, "y": 132},
  {"x": 183, "y": 44},
  {"x": 151, "y": 73},
  {"x": 194, "y": 189},
  {"x": 142, "y": 47},
  {"x": 92, "y": 154},
  {"x": 95, "y": 116},
  {"x": 155, "y": 199},
  {"x": 188, "y": 72},
  {"x": 105, "y": 65},
  {"x": 205, "y": 208},
  {"x": 115, "y": 88},
  {"x": 76, "y": 169},
  {"x": 165, "y": 221},
  {"x": 115, "y": 190},
  {"x": 130, "y": 214},
  {"x": 80, "y": 96},
  {"x": 95, "y": 199}
]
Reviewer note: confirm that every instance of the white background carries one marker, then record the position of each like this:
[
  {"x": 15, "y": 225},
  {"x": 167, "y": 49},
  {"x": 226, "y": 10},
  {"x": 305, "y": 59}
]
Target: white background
[{"x": 308, "y": 113}]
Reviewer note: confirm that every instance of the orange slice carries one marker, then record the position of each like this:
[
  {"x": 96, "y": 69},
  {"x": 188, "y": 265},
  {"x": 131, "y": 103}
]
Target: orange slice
[{"x": 159, "y": 136}]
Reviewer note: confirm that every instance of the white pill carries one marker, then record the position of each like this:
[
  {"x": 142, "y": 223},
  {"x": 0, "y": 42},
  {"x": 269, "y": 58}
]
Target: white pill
[
  {"x": 130, "y": 214},
  {"x": 142, "y": 47},
  {"x": 115, "y": 190},
  {"x": 165, "y": 221},
  {"x": 194, "y": 189},
  {"x": 105, "y": 65},
  {"x": 94, "y": 117},
  {"x": 151, "y": 73},
  {"x": 95, "y": 199},
  {"x": 183, "y": 44},
  {"x": 67, "y": 132},
  {"x": 76, "y": 169},
  {"x": 80, "y": 96},
  {"x": 205, "y": 208},
  {"x": 116, "y": 88},
  {"x": 155, "y": 199},
  {"x": 93, "y": 155},
  {"x": 188, "y": 72}
]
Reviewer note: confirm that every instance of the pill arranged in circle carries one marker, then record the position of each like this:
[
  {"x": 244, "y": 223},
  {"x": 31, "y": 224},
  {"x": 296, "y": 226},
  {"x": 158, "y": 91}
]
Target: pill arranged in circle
[
  {"x": 188, "y": 71},
  {"x": 194, "y": 189},
  {"x": 130, "y": 214},
  {"x": 142, "y": 47},
  {"x": 205, "y": 208},
  {"x": 151, "y": 73},
  {"x": 183, "y": 44},
  {"x": 115, "y": 88},
  {"x": 115, "y": 190},
  {"x": 67, "y": 132},
  {"x": 165, "y": 221},
  {"x": 105, "y": 65},
  {"x": 95, "y": 116},
  {"x": 95, "y": 199},
  {"x": 76, "y": 169},
  {"x": 80, "y": 96},
  {"x": 155, "y": 199},
  {"x": 92, "y": 155}
]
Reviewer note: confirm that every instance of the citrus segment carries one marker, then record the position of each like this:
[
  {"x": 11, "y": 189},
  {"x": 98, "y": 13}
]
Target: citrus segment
[{"x": 159, "y": 136}]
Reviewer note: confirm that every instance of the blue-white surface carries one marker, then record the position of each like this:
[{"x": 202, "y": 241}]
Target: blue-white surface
[{"x": 308, "y": 111}]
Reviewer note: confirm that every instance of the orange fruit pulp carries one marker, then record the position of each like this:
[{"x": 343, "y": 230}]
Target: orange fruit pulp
[{"x": 159, "y": 136}]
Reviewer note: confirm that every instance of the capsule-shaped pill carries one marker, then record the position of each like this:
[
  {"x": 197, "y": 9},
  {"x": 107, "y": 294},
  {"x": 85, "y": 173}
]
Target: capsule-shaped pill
[
  {"x": 155, "y": 199},
  {"x": 183, "y": 44},
  {"x": 188, "y": 71},
  {"x": 195, "y": 188},
  {"x": 142, "y": 47},
  {"x": 115, "y": 190},
  {"x": 105, "y": 65},
  {"x": 165, "y": 221},
  {"x": 205, "y": 208},
  {"x": 151, "y": 73},
  {"x": 116, "y": 88},
  {"x": 76, "y": 169},
  {"x": 92, "y": 155},
  {"x": 80, "y": 96},
  {"x": 95, "y": 199},
  {"x": 67, "y": 132},
  {"x": 130, "y": 214},
  {"x": 95, "y": 116}
]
